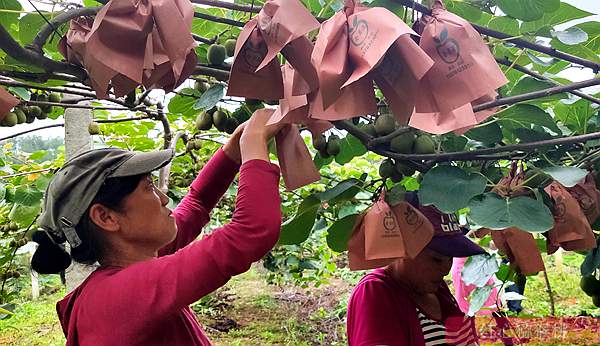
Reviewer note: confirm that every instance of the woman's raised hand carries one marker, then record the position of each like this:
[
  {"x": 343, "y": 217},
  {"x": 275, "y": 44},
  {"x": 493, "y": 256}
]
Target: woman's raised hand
[{"x": 256, "y": 134}]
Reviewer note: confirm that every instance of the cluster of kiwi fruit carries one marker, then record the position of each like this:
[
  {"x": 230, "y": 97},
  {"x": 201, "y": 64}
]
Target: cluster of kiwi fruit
[
  {"x": 225, "y": 121},
  {"x": 8, "y": 227},
  {"x": 27, "y": 114},
  {"x": 591, "y": 286},
  {"x": 180, "y": 180},
  {"x": 193, "y": 144},
  {"x": 217, "y": 53},
  {"x": 10, "y": 274},
  {"x": 327, "y": 147}
]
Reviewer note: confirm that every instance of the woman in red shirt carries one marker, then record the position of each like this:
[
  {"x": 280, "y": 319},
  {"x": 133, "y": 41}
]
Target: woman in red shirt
[
  {"x": 408, "y": 303},
  {"x": 105, "y": 205}
]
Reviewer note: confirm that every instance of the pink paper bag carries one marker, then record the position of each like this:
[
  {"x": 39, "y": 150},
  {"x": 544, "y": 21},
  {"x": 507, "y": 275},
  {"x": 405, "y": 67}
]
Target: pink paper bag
[
  {"x": 297, "y": 166},
  {"x": 356, "y": 249},
  {"x": 464, "y": 68}
]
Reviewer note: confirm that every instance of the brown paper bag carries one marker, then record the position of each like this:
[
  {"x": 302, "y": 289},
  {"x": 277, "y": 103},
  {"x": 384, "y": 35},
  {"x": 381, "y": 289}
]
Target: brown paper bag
[
  {"x": 280, "y": 26},
  {"x": 571, "y": 229},
  {"x": 298, "y": 53},
  {"x": 464, "y": 68},
  {"x": 244, "y": 79},
  {"x": 356, "y": 249},
  {"x": 588, "y": 197},
  {"x": 520, "y": 248},
  {"x": 395, "y": 233},
  {"x": 7, "y": 102},
  {"x": 297, "y": 166},
  {"x": 129, "y": 39}
]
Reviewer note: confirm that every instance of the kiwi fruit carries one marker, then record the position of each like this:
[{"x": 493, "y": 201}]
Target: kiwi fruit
[
  {"x": 231, "y": 125},
  {"x": 220, "y": 120},
  {"x": 201, "y": 86},
  {"x": 424, "y": 145},
  {"x": 54, "y": 97},
  {"x": 197, "y": 143},
  {"x": 386, "y": 168},
  {"x": 204, "y": 121},
  {"x": 369, "y": 129},
  {"x": 94, "y": 128},
  {"x": 190, "y": 145},
  {"x": 319, "y": 142},
  {"x": 385, "y": 124},
  {"x": 403, "y": 143},
  {"x": 230, "y": 46},
  {"x": 21, "y": 116},
  {"x": 404, "y": 169},
  {"x": 35, "y": 111},
  {"x": 333, "y": 146},
  {"x": 10, "y": 120},
  {"x": 216, "y": 54}
]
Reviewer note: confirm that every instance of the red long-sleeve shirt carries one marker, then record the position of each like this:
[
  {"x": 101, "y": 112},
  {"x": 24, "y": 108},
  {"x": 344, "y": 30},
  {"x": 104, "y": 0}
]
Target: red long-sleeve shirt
[{"x": 147, "y": 303}]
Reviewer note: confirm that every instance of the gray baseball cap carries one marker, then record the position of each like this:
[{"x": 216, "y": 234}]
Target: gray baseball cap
[{"x": 75, "y": 185}]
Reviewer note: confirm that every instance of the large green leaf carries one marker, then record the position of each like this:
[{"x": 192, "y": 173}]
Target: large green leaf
[
  {"x": 592, "y": 260},
  {"x": 528, "y": 10},
  {"x": 529, "y": 84},
  {"x": 30, "y": 25},
  {"x": 210, "y": 97},
  {"x": 488, "y": 134},
  {"x": 449, "y": 188},
  {"x": 567, "y": 176},
  {"x": 340, "y": 232},
  {"x": 588, "y": 49},
  {"x": 565, "y": 13},
  {"x": 347, "y": 189},
  {"x": 479, "y": 269},
  {"x": 24, "y": 215},
  {"x": 494, "y": 212},
  {"x": 28, "y": 196},
  {"x": 505, "y": 24},
  {"x": 478, "y": 297},
  {"x": 320, "y": 161},
  {"x": 575, "y": 115},
  {"x": 524, "y": 115},
  {"x": 350, "y": 147},
  {"x": 11, "y": 16},
  {"x": 571, "y": 36},
  {"x": 297, "y": 229},
  {"x": 183, "y": 104}
]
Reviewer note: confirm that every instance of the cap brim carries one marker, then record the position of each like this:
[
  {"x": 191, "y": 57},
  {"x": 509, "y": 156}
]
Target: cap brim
[
  {"x": 142, "y": 163},
  {"x": 456, "y": 245}
]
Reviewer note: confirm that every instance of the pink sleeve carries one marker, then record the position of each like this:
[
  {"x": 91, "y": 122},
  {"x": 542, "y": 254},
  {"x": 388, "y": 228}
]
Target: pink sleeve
[
  {"x": 167, "y": 284},
  {"x": 192, "y": 213},
  {"x": 373, "y": 317}
]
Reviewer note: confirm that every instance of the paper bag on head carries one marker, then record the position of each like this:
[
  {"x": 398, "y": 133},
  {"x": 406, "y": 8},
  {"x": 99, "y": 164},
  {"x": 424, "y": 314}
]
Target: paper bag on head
[
  {"x": 7, "y": 102},
  {"x": 588, "y": 197},
  {"x": 399, "y": 232},
  {"x": 571, "y": 229},
  {"x": 464, "y": 68},
  {"x": 356, "y": 249},
  {"x": 280, "y": 26},
  {"x": 129, "y": 40},
  {"x": 520, "y": 248}
]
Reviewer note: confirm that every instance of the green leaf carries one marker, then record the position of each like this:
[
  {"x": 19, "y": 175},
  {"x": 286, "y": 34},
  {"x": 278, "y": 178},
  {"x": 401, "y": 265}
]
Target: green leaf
[
  {"x": 2, "y": 192},
  {"x": 528, "y": 10},
  {"x": 524, "y": 115},
  {"x": 183, "y": 104},
  {"x": 575, "y": 115},
  {"x": 22, "y": 93},
  {"x": 210, "y": 97},
  {"x": 350, "y": 147},
  {"x": 468, "y": 12},
  {"x": 571, "y": 36},
  {"x": 297, "y": 229},
  {"x": 27, "y": 196},
  {"x": 320, "y": 161},
  {"x": 9, "y": 18},
  {"x": 479, "y": 269},
  {"x": 567, "y": 176},
  {"x": 530, "y": 84},
  {"x": 452, "y": 143},
  {"x": 505, "y": 273},
  {"x": 494, "y": 212},
  {"x": 487, "y": 134},
  {"x": 478, "y": 297},
  {"x": 449, "y": 188},
  {"x": 592, "y": 260},
  {"x": 527, "y": 135},
  {"x": 505, "y": 24},
  {"x": 395, "y": 195},
  {"x": 24, "y": 215},
  {"x": 340, "y": 232},
  {"x": 30, "y": 25},
  {"x": 342, "y": 188},
  {"x": 565, "y": 13}
]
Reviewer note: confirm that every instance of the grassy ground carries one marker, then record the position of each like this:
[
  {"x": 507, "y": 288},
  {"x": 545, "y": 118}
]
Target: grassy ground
[{"x": 249, "y": 312}]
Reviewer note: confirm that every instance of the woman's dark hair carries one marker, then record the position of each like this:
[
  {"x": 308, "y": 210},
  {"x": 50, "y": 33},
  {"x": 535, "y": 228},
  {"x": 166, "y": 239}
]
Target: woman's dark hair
[{"x": 51, "y": 257}]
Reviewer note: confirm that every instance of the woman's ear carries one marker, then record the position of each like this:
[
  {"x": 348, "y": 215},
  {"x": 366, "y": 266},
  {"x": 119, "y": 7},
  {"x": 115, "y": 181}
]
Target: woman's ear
[{"x": 105, "y": 218}]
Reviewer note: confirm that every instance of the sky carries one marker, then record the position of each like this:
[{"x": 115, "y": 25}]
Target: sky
[{"x": 575, "y": 75}]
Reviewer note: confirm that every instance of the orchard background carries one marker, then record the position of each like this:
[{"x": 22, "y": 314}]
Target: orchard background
[{"x": 548, "y": 123}]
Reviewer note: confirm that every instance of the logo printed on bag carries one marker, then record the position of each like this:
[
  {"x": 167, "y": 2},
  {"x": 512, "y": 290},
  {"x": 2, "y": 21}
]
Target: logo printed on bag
[
  {"x": 411, "y": 217},
  {"x": 390, "y": 69},
  {"x": 390, "y": 227},
  {"x": 253, "y": 54},
  {"x": 360, "y": 35},
  {"x": 447, "y": 48}
]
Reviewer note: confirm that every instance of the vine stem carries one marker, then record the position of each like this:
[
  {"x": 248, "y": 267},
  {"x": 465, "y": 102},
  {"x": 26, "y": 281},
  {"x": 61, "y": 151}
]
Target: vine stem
[{"x": 25, "y": 173}]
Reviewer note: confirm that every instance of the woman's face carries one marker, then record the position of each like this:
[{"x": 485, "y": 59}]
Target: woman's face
[
  {"x": 424, "y": 273},
  {"x": 146, "y": 220}
]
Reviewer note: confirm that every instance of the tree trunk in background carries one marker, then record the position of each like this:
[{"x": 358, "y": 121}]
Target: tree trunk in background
[{"x": 77, "y": 140}]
